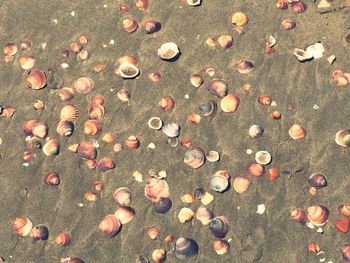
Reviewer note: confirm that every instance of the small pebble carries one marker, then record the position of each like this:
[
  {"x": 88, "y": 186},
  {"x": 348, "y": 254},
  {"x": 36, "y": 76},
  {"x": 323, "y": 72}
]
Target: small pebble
[
  {"x": 316, "y": 107},
  {"x": 111, "y": 42},
  {"x": 64, "y": 65},
  {"x": 55, "y": 21},
  {"x": 249, "y": 151},
  {"x": 261, "y": 209},
  {"x": 72, "y": 13},
  {"x": 187, "y": 96},
  {"x": 25, "y": 164},
  {"x": 151, "y": 146}
]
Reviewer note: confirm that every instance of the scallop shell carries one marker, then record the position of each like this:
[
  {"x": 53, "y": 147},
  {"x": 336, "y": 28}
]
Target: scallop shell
[
  {"x": 296, "y": 132},
  {"x": 128, "y": 71},
  {"x": 171, "y": 130},
  {"x": 63, "y": 239},
  {"x": 122, "y": 196},
  {"x": 92, "y": 127},
  {"x": 229, "y": 103},
  {"x": 66, "y": 93},
  {"x": 196, "y": 80},
  {"x": 317, "y": 215},
  {"x": 132, "y": 142},
  {"x": 185, "y": 215},
  {"x": 22, "y": 226},
  {"x": 110, "y": 225},
  {"x": 105, "y": 164},
  {"x": 96, "y": 111},
  {"x": 40, "y": 232},
  {"x": 163, "y": 205},
  {"x": 166, "y": 103},
  {"x": 26, "y": 62},
  {"x": 239, "y": 19},
  {"x": 219, "y": 226},
  {"x": 36, "y": 79},
  {"x": 194, "y": 158},
  {"x": 155, "y": 123},
  {"x": 185, "y": 247},
  {"x": 255, "y": 169},
  {"x": 52, "y": 179},
  {"x": 151, "y": 26},
  {"x": 65, "y": 128},
  {"x": 345, "y": 250},
  {"x": 204, "y": 215},
  {"x": 159, "y": 255},
  {"x": 51, "y": 147},
  {"x": 84, "y": 85},
  {"x": 69, "y": 113},
  {"x": 129, "y": 25},
  {"x": 301, "y": 54},
  {"x": 241, "y": 184},
  {"x": 168, "y": 51},
  {"x": 221, "y": 247},
  {"x": 153, "y": 233},
  {"x": 156, "y": 189},
  {"x": 218, "y": 87},
  {"x": 342, "y": 137},
  {"x": 263, "y": 157},
  {"x": 255, "y": 131},
  {"x": 244, "y": 66},
  {"x": 218, "y": 183},
  {"x": 125, "y": 214},
  {"x": 87, "y": 151},
  {"x": 318, "y": 180},
  {"x": 207, "y": 108}
]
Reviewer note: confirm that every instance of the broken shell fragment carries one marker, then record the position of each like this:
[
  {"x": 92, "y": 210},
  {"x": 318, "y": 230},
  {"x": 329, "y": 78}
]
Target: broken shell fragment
[
  {"x": 124, "y": 95},
  {"x": 342, "y": 137},
  {"x": 219, "y": 226},
  {"x": 168, "y": 51},
  {"x": 36, "y": 79},
  {"x": 296, "y": 132},
  {"x": 345, "y": 250},
  {"x": 155, "y": 77},
  {"x": 221, "y": 247},
  {"x": 96, "y": 111},
  {"x": 142, "y": 4},
  {"x": 194, "y": 2},
  {"x": 129, "y": 25},
  {"x": 127, "y": 59},
  {"x": 128, "y": 71},
  {"x": 244, "y": 66},
  {"x": 255, "y": 131},
  {"x": 171, "y": 130},
  {"x": 194, "y": 158},
  {"x": 343, "y": 224},
  {"x": 317, "y": 215},
  {"x": 316, "y": 50},
  {"x": 110, "y": 225},
  {"x": 274, "y": 173},
  {"x": 66, "y": 93},
  {"x": 241, "y": 184},
  {"x": 22, "y": 226},
  {"x": 185, "y": 247},
  {"x": 314, "y": 247},
  {"x": 263, "y": 157},
  {"x": 185, "y": 215},
  {"x": 344, "y": 210},
  {"x": 301, "y": 54},
  {"x": 229, "y": 103},
  {"x": 317, "y": 180},
  {"x": 155, "y": 123}
]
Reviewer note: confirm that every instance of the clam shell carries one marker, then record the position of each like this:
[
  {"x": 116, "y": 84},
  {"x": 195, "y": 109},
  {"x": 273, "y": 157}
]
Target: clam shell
[
  {"x": 125, "y": 214},
  {"x": 299, "y": 215},
  {"x": 51, "y": 147},
  {"x": 163, "y": 205},
  {"x": 96, "y": 111},
  {"x": 168, "y": 51},
  {"x": 217, "y": 87},
  {"x": 288, "y": 24},
  {"x": 207, "y": 108},
  {"x": 124, "y": 95},
  {"x": 153, "y": 233},
  {"x": 92, "y": 127},
  {"x": 342, "y": 137},
  {"x": 225, "y": 41},
  {"x": 255, "y": 169},
  {"x": 185, "y": 247},
  {"x": 204, "y": 215},
  {"x": 156, "y": 189},
  {"x": 218, "y": 183},
  {"x": 171, "y": 130},
  {"x": 317, "y": 215},
  {"x": 10, "y": 49},
  {"x": 142, "y": 4},
  {"x": 75, "y": 260},
  {"x": 151, "y": 26},
  {"x": 241, "y": 184},
  {"x": 239, "y": 19},
  {"x": 219, "y": 226},
  {"x": 129, "y": 25},
  {"x": 263, "y": 157},
  {"x": 318, "y": 180},
  {"x": 87, "y": 151},
  {"x": 166, "y": 103},
  {"x": 52, "y": 179},
  {"x": 301, "y": 54},
  {"x": 132, "y": 142},
  {"x": 255, "y": 131},
  {"x": 22, "y": 226},
  {"x": 196, "y": 80},
  {"x": 63, "y": 239},
  {"x": 128, "y": 70},
  {"x": 159, "y": 255},
  {"x": 296, "y": 132},
  {"x": 36, "y": 79},
  {"x": 344, "y": 210},
  {"x": 345, "y": 250},
  {"x": 244, "y": 66},
  {"x": 26, "y": 62},
  {"x": 84, "y": 85},
  {"x": 105, "y": 164},
  {"x": 40, "y": 232},
  {"x": 298, "y": 7},
  {"x": 229, "y": 103},
  {"x": 122, "y": 196},
  {"x": 221, "y": 247},
  {"x": 194, "y": 2},
  {"x": 155, "y": 123},
  {"x": 65, "y": 128},
  {"x": 110, "y": 225},
  {"x": 40, "y": 129},
  {"x": 194, "y": 158},
  {"x": 185, "y": 215},
  {"x": 69, "y": 113},
  {"x": 127, "y": 59}
]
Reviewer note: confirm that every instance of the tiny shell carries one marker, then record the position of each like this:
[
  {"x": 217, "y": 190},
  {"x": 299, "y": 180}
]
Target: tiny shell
[
  {"x": 123, "y": 7},
  {"x": 225, "y": 41},
  {"x": 194, "y": 2},
  {"x": 91, "y": 164},
  {"x": 343, "y": 224},
  {"x": 265, "y": 100},
  {"x": 171, "y": 130},
  {"x": 168, "y": 51},
  {"x": 153, "y": 233},
  {"x": 128, "y": 71},
  {"x": 84, "y": 85},
  {"x": 211, "y": 42},
  {"x": 105, "y": 164},
  {"x": 194, "y": 158},
  {"x": 38, "y": 105},
  {"x": 166, "y": 103},
  {"x": 99, "y": 67},
  {"x": 194, "y": 118},
  {"x": 96, "y": 111},
  {"x": 155, "y": 123},
  {"x": 244, "y": 66},
  {"x": 10, "y": 49},
  {"x": 239, "y": 19},
  {"x": 204, "y": 215},
  {"x": 169, "y": 238},
  {"x": 255, "y": 131},
  {"x": 63, "y": 239},
  {"x": 22, "y": 226},
  {"x": 274, "y": 173},
  {"x": 92, "y": 127},
  {"x": 110, "y": 225},
  {"x": 196, "y": 80},
  {"x": 188, "y": 198},
  {"x": 263, "y": 157},
  {"x": 129, "y": 25},
  {"x": 282, "y": 4},
  {"x": 155, "y": 77},
  {"x": 151, "y": 26},
  {"x": 261, "y": 209},
  {"x": 26, "y": 62},
  {"x": 36, "y": 79},
  {"x": 314, "y": 247},
  {"x": 108, "y": 138},
  {"x": 26, "y": 45},
  {"x": 296, "y": 132},
  {"x": 142, "y": 4},
  {"x": 255, "y": 169},
  {"x": 342, "y": 137},
  {"x": 288, "y": 24},
  {"x": 51, "y": 147},
  {"x": 221, "y": 247},
  {"x": 90, "y": 196},
  {"x": 125, "y": 214},
  {"x": 7, "y": 112},
  {"x": 241, "y": 184},
  {"x": 212, "y": 156},
  {"x": 218, "y": 87},
  {"x": 218, "y": 183},
  {"x": 52, "y": 179},
  {"x": 298, "y": 7},
  {"x": 229, "y": 103},
  {"x": 40, "y": 232},
  {"x": 185, "y": 215}
]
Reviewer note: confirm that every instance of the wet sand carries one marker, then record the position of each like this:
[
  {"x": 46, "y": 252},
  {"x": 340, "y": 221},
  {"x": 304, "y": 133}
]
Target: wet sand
[{"x": 271, "y": 237}]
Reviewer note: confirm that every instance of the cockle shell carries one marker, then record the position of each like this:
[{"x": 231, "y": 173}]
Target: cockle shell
[
  {"x": 229, "y": 103},
  {"x": 129, "y": 25},
  {"x": 10, "y": 49},
  {"x": 36, "y": 79},
  {"x": 26, "y": 62},
  {"x": 288, "y": 24},
  {"x": 196, "y": 80},
  {"x": 52, "y": 179},
  {"x": 156, "y": 189},
  {"x": 66, "y": 93},
  {"x": 65, "y": 128},
  {"x": 171, "y": 130},
  {"x": 282, "y": 4},
  {"x": 51, "y": 147},
  {"x": 217, "y": 87},
  {"x": 185, "y": 247},
  {"x": 159, "y": 255},
  {"x": 241, "y": 184},
  {"x": 22, "y": 226},
  {"x": 185, "y": 215},
  {"x": 168, "y": 51},
  {"x": 225, "y": 41},
  {"x": 132, "y": 142},
  {"x": 221, "y": 247},
  {"x": 87, "y": 151},
  {"x": 63, "y": 239},
  {"x": 204, "y": 215},
  {"x": 344, "y": 210},
  {"x": 153, "y": 233},
  {"x": 296, "y": 132},
  {"x": 194, "y": 158},
  {"x": 342, "y": 137},
  {"x": 110, "y": 225},
  {"x": 125, "y": 214},
  {"x": 298, "y": 7},
  {"x": 69, "y": 113},
  {"x": 142, "y": 4},
  {"x": 128, "y": 71},
  {"x": 239, "y": 19},
  {"x": 84, "y": 85},
  {"x": 122, "y": 196},
  {"x": 92, "y": 127},
  {"x": 317, "y": 215}
]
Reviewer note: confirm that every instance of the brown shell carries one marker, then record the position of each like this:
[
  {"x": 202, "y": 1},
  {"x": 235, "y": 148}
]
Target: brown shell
[
  {"x": 87, "y": 151},
  {"x": 63, "y": 239},
  {"x": 129, "y": 25},
  {"x": 110, "y": 225},
  {"x": 92, "y": 127},
  {"x": 36, "y": 79},
  {"x": 132, "y": 142},
  {"x": 125, "y": 214},
  {"x": 105, "y": 164},
  {"x": 66, "y": 93},
  {"x": 52, "y": 179}
]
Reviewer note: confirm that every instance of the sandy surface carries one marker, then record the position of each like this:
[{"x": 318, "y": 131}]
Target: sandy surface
[{"x": 271, "y": 237}]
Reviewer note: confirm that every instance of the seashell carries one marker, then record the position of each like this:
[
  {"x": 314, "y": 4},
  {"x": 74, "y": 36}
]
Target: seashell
[
  {"x": 39, "y": 232},
  {"x": 128, "y": 71},
  {"x": 83, "y": 55},
  {"x": 210, "y": 71},
  {"x": 118, "y": 147},
  {"x": 340, "y": 78},
  {"x": 129, "y": 25},
  {"x": 69, "y": 113},
  {"x": 168, "y": 51},
  {"x": 211, "y": 42},
  {"x": 10, "y": 49},
  {"x": 255, "y": 131},
  {"x": 34, "y": 143},
  {"x": 265, "y": 100},
  {"x": 96, "y": 111},
  {"x": 153, "y": 233},
  {"x": 127, "y": 59},
  {"x": 40, "y": 129},
  {"x": 75, "y": 47},
  {"x": 123, "y": 7},
  {"x": 155, "y": 123},
  {"x": 244, "y": 66},
  {"x": 83, "y": 85},
  {"x": 75, "y": 260},
  {"x": 317, "y": 180},
  {"x": 63, "y": 239},
  {"x": 314, "y": 247},
  {"x": 282, "y": 4},
  {"x": 225, "y": 41},
  {"x": 7, "y": 112},
  {"x": 51, "y": 147},
  {"x": 344, "y": 210},
  {"x": 28, "y": 127},
  {"x": 199, "y": 193},
  {"x": 73, "y": 147},
  {"x": 132, "y": 142},
  {"x": 317, "y": 215},
  {"x": 212, "y": 156},
  {"x": 301, "y": 54},
  {"x": 142, "y": 4},
  {"x": 155, "y": 77},
  {"x": 194, "y": 118},
  {"x": 343, "y": 225},
  {"x": 26, "y": 62},
  {"x": 97, "y": 99},
  {"x": 66, "y": 93},
  {"x": 91, "y": 164},
  {"x": 166, "y": 103},
  {"x": 241, "y": 184},
  {"x": 185, "y": 215},
  {"x": 52, "y": 179},
  {"x": 92, "y": 127},
  {"x": 194, "y": 158},
  {"x": 298, "y": 7},
  {"x": 217, "y": 87},
  {"x": 342, "y": 137},
  {"x": 207, "y": 198},
  {"x": 28, "y": 156},
  {"x": 97, "y": 186},
  {"x": 316, "y": 50},
  {"x": 83, "y": 39},
  {"x": 163, "y": 205},
  {"x": 204, "y": 215},
  {"x": 122, "y": 196},
  {"x": 345, "y": 250},
  {"x": 171, "y": 130},
  {"x": 159, "y": 255},
  {"x": 36, "y": 79},
  {"x": 296, "y": 132},
  {"x": 274, "y": 173},
  {"x": 207, "y": 108},
  {"x": 221, "y": 247},
  {"x": 239, "y": 19},
  {"x": 151, "y": 26},
  {"x": 125, "y": 214},
  {"x": 22, "y": 226},
  {"x": 123, "y": 95},
  {"x": 229, "y": 103},
  {"x": 219, "y": 226},
  {"x": 299, "y": 215},
  {"x": 263, "y": 157},
  {"x": 38, "y": 105},
  {"x": 188, "y": 198},
  {"x": 110, "y": 225},
  {"x": 194, "y": 2},
  {"x": 87, "y": 151},
  {"x": 108, "y": 138},
  {"x": 185, "y": 247},
  {"x": 276, "y": 115},
  {"x": 155, "y": 189},
  {"x": 65, "y": 128},
  {"x": 168, "y": 239},
  {"x": 255, "y": 169},
  {"x": 90, "y": 196},
  {"x": 196, "y": 80},
  {"x": 99, "y": 67},
  {"x": 26, "y": 45},
  {"x": 105, "y": 164},
  {"x": 288, "y": 24}
]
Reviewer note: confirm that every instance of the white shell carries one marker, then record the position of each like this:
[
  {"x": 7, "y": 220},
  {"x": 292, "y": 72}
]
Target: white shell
[
  {"x": 194, "y": 2},
  {"x": 212, "y": 156},
  {"x": 271, "y": 41},
  {"x": 218, "y": 183},
  {"x": 261, "y": 209},
  {"x": 255, "y": 131},
  {"x": 263, "y": 157},
  {"x": 301, "y": 54},
  {"x": 168, "y": 51},
  {"x": 171, "y": 130},
  {"x": 155, "y": 127},
  {"x": 316, "y": 50},
  {"x": 128, "y": 70}
]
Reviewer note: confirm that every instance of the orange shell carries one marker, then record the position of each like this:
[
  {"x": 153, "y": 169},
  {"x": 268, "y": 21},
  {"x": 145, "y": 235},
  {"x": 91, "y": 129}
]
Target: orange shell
[
  {"x": 108, "y": 138},
  {"x": 38, "y": 105},
  {"x": 274, "y": 173},
  {"x": 241, "y": 184},
  {"x": 97, "y": 186},
  {"x": 90, "y": 196},
  {"x": 221, "y": 247},
  {"x": 296, "y": 132},
  {"x": 91, "y": 164},
  {"x": 276, "y": 115},
  {"x": 225, "y": 41},
  {"x": 159, "y": 255},
  {"x": 169, "y": 238},
  {"x": 63, "y": 239},
  {"x": 132, "y": 142},
  {"x": 129, "y": 25},
  {"x": 75, "y": 47},
  {"x": 166, "y": 103},
  {"x": 229, "y": 103},
  {"x": 154, "y": 76},
  {"x": 26, "y": 62},
  {"x": 314, "y": 247},
  {"x": 10, "y": 49},
  {"x": 153, "y": 233},
  {"x": 344, "y": 210},
  {"x": 97, "y": 99},
  {"x": 142, "y": 4},
  {"x": 194, "y": 118},
  {"x": 22, "y": 226},
  {"x": 92, "y": 127},
  {"x": 255, "y": 169},
  {"x": 83, "y": 39},
  {"x": 128, "y": 59},
  {"x": 8, "y": 112},
  {"x": 265, "y": 100}
]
